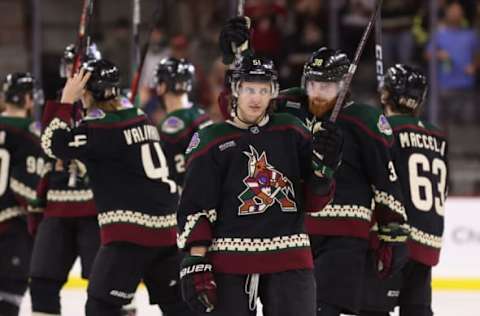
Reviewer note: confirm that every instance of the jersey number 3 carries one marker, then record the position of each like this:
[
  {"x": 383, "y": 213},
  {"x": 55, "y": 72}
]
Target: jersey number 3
[{"x": 421, "y": 184}]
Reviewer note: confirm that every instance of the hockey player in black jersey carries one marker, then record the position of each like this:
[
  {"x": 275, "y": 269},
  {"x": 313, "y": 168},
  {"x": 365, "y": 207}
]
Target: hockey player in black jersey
[
  {"x": 173, "y": 82},
  {"x": 421, "y": 162},
  {"x": 20, "y": 170},
  {"x": 248, "y": 184},
  {"x": 134, "y": 195},
  {"x": 69, "y": 227},
  {"x": 367, "y": 189}
]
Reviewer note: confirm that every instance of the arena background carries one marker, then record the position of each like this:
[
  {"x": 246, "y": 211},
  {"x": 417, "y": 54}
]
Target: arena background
[{"x": 33, "y": 34}]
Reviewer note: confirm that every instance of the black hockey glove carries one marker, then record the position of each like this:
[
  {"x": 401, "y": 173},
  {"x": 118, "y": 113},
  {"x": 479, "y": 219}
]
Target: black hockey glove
[
  {"x": 235, "y": 33},
  {"x": 327, "y": 149},
  {"x": 392, "y": 253},
  {"x": 197, "y": 283}
]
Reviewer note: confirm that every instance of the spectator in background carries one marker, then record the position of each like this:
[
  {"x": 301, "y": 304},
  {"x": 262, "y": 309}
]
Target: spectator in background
[
  {"x": 354, "y": 17},
  {"x": 298, "y": 49},
  {"x": 266, "y": 33},
  {"x": 458, "y": 52},
  {"x": 158, "y": 49},
  {"x": 117, "y": 49},
  {"x": 397, "y": 25}
]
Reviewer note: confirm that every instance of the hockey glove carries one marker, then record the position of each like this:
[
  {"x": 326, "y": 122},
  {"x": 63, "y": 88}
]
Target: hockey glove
[
  {"x": 327, "y": 149},
  {"x": 235, "y": 33},
  {"x": 197, "y": 283},
  {"x": 392, "y": 254}
]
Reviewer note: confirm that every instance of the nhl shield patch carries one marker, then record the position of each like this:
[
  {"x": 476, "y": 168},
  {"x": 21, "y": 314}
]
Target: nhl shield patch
[
  {"x": 384, "y": 126},
  {"x": 172, "y": 125}
]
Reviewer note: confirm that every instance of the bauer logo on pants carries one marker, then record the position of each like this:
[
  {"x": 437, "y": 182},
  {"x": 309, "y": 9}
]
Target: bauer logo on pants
[{"x": 265, "y": 187}]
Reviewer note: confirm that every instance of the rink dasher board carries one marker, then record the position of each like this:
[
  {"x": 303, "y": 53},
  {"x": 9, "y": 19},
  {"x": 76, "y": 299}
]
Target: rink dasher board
[{"x": 459, "y": 267}]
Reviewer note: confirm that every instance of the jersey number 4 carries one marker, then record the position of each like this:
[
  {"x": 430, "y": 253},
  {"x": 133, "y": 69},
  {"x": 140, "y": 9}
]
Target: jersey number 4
[
  {"x": 4, "y": 167},
  {"x": 154, "y": 172},
  {"x": 420, "y": 184}
]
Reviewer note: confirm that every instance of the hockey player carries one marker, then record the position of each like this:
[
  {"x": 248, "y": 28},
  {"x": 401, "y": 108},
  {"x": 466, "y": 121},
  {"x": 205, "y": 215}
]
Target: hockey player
[
  {"x": 422, "y": 166},
  {"x": 20, "y": 170},
  {"x": 173, "y": 82},
  {"x": 134, "y": 196},
  {"x": 69, "y": 227},
  {"x": 367, "y": 185},
  {"x": 241, "y": 215}
]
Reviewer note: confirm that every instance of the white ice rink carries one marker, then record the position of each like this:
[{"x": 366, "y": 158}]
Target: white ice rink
[{"x": 444, "y": 304}]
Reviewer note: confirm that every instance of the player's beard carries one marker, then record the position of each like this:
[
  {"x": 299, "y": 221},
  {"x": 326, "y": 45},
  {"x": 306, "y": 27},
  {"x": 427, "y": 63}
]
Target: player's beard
[{"x": 319, "y": 107}]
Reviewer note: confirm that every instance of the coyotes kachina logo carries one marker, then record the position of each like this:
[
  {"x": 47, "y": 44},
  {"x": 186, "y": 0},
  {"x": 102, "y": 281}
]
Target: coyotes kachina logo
[{"x": 265, "y": 186}]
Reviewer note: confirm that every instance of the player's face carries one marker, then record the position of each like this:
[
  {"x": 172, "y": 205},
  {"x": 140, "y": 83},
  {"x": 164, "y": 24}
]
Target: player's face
[
  {"x": 253, "y": 100},
  {"x": 321, "y": 96}
]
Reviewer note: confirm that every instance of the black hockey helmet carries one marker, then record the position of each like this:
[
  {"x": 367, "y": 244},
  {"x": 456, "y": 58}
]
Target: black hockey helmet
[
  {"x": 69, "y": 54},
  {"x": 104, "y": 80},
  {"x": 177, "y": 74},
  {"x": 16, "y": 85},
  {"x": 407, "y": 87},
  {"x": 254, "y": 69},
  {"x": 327, "y": 65}
]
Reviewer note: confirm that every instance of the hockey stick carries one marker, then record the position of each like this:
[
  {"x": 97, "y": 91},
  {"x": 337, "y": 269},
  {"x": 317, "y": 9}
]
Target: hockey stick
[
  {"x": 136, "y": 52},
  {"x": 83, "y": 42},
  {"x": 138, "y": 73},
  {"x": 83, "y": 39},
  {"x": 379, "y": 51},
  {"x": 347, "y": 79},
  {"x": 240, "y": 49}
]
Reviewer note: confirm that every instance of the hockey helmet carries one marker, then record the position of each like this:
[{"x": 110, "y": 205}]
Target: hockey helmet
[
  {"x": 407, "y": 87},
  {"x": 327, "y": 65},
  {"x": 254, "y": 69},
  {"x": 104, "y": 80},
  {"x": 16, "y": 85},
  {"x": 69, "y": 54},
  {"x": 177, "y": 74}
]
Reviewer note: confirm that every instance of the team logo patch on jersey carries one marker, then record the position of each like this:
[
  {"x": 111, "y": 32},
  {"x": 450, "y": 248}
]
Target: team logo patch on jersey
[
  {"x": 384, "y": 126},
  {"x": 172, "y": 125},
  {"x": 194, "y": 142},
  {"x": 265, "y": 187},
  {"x": 95, "y": 114},
  {"x": 35, "y": 128}
]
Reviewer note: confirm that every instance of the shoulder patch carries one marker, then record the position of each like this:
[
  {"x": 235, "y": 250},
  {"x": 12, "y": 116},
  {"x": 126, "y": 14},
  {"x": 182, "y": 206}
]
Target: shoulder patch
[
  {"x": 194, "y": 142},
  {"x": 35, "y": 128},
  {"x": 95, "y": 114},
  {"x": 384, "y": 126},
  {"x": 172, "y": 125}
]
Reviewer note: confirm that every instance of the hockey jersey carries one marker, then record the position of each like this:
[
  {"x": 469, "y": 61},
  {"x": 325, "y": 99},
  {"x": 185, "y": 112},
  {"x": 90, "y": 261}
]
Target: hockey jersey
[
  {"x": 21, "y": 165},
  {"x": 127, "y": 168},
  {"x": 367, "y": 188},
  {"x": 421, "y": 160},
  {"x": 176, "y": 130},
  {"x": 58, "y": 197},
  {"x": 245, "y": 195}
]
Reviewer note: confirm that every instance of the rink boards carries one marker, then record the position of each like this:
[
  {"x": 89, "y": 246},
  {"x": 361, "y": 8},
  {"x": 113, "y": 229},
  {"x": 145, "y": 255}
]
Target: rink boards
[{"x": 459, "y": 267}]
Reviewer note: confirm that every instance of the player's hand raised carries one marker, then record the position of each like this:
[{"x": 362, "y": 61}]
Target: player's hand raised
[
  {"x": 235, "y": 33},
  {"x": 75, "y": 87}
]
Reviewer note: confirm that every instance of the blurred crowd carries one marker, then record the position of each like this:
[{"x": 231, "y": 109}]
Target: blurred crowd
[{"x": 289, "y": 30}]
